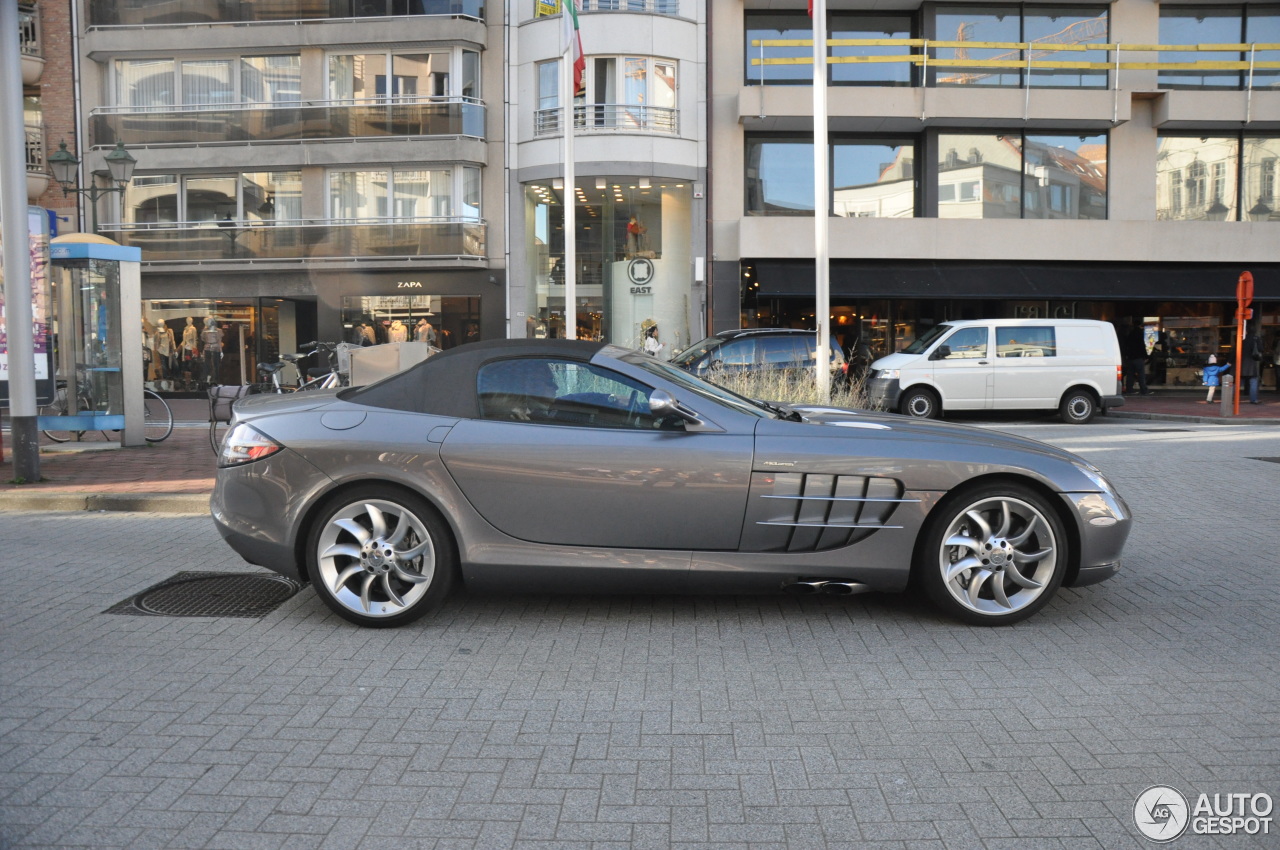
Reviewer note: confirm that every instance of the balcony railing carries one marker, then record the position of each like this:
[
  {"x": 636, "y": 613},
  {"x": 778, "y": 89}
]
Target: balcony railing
[
  {"x": 593, "y": 117},
  {"x": 1256, "y": 67},
  {"x": 35, "y": 148},
  {"x": 108, "y": 13},
  {"x": 287, "y": 122},
  {"x": 305, "y": 239},
  {"x": 29, "y": 31},
  {"x": 546, "y": 8}
]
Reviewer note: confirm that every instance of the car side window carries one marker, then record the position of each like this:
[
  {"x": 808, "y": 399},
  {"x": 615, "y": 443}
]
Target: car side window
[
  {"x": 1026, "y": 342},
  {"x": 967, "y": 343},
  {"x": 548, "y": 391},
  {"x": 787, "y": 350},
  {"x": 738, "y": 352}
]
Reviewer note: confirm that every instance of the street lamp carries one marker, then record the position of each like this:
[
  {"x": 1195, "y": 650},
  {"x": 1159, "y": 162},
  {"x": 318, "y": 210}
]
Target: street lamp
[
  {"x": 1217, "y": 211},
  {"x": 64, "y": 165},
  {"x": 1260, "y": 211}
]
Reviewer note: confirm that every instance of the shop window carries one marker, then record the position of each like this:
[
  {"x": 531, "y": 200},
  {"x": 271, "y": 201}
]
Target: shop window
[{"x": 442, "y": 321}]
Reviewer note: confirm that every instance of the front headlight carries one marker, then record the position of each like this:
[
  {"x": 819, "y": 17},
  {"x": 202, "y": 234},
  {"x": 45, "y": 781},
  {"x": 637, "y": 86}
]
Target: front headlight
[
  {"x": 245, "y": 444},
  {"x": 1096, "y": 476},
  {"x": 888, "y": 374}
]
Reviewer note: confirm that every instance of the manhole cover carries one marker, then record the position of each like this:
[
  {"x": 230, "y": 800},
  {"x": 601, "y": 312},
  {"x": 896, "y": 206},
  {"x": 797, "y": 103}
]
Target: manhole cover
[{"x": 203, "y": 594}]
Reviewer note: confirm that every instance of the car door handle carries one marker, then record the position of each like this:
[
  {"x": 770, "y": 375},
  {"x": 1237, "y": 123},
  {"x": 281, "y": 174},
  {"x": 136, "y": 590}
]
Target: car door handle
[{"x": 984, "y": 362}]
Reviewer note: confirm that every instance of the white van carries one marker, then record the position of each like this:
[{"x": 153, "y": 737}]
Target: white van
[{"x": 1072, "y": 365}]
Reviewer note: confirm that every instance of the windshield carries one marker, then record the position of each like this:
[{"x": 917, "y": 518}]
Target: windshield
[
  {"x": 698, "y": 387},
  {"x": 696, "y": 351},
  {"x": 923, "y": 342}
]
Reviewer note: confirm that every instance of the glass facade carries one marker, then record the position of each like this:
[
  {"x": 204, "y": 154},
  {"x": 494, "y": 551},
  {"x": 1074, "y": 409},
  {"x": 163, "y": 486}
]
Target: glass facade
[
  {"x": 1219, "y": 25},
  {"x": 1217, "y": 178},
  {"x": 1008, "y": 175},
  {"x": 442, "y": 321},
  {"x": 634, "y": 260}
]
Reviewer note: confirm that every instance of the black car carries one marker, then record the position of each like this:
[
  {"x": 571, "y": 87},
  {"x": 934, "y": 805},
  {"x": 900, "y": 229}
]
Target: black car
[{"x": 757, "y": 349}]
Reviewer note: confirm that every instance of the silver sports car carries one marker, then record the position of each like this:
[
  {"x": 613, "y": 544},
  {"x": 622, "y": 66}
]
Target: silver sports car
[{"x": 579, "y": 466}]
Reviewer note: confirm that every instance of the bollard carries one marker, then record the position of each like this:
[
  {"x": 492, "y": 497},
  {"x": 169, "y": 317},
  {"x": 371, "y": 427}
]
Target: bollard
[{"x": 1228, "y": 406}]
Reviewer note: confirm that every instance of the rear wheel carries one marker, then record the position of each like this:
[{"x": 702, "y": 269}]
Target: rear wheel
[
  {"x": 158, "y": 424},
  {"x": 993, "y": 555},
  {"x": 58, "y": 407},
  {"x": 920, "y": 403},
  {"x": 1078, "y": 407},
  {"x": 380, "y": 559}
]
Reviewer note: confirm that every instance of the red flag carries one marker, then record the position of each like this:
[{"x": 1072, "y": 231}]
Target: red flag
[{"x": 811, "y": 8}]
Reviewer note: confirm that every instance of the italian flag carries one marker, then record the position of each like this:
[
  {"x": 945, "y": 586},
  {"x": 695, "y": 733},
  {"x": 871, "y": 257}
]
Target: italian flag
[{"x": 573, "y": 39}]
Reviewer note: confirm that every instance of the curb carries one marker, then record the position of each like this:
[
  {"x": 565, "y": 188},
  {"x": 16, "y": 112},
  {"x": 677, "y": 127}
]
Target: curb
[
  {"x": 1199, "y": 420},
  {"x": 156, "y": 503}
]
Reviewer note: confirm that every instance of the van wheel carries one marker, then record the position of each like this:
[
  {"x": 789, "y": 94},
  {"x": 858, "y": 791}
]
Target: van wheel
[
  {"x": 921, "y": 404},
  {"x": 1077, "y": 407}
]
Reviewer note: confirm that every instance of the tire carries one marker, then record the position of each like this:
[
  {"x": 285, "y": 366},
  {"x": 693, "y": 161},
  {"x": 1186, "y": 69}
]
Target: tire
[
  {"x": 993, "y": 555},
  {"x": 58, "y": 407},
  {"x": 380, "y": 559},
  {"x": 1078, "y": 407},
  {"x": 920, "y": 403},
  {"x": 158, "y": 422}
]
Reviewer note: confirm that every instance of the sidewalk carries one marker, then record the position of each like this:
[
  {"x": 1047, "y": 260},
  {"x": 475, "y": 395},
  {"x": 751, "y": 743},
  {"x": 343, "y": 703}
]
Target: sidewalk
[{"x": 176, "y": 476}]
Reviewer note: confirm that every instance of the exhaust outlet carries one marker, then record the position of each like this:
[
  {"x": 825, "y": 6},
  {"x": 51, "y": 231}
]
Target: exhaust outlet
[
  {"x": 844, "y": 588},
  {"x": 805, "y": 587}
]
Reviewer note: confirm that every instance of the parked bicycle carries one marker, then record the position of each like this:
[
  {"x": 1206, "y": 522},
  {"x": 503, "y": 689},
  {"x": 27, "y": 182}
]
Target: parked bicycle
[
  {"x": 321, "y": 377},
  {"x": 157, "y": 422}
]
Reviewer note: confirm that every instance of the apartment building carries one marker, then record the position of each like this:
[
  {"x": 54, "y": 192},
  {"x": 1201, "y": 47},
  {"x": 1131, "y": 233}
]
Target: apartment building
[
  {"x": 640, "y": 163},
  {"x": 1056, "y": 179},
  {"x": 305, "y": 169}
]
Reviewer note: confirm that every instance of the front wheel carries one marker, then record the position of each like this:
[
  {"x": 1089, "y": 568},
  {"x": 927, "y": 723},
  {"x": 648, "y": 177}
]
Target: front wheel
[
  {"x": 993, "y": 555},
  {"x": 158, "y": 422},
  {"x": 380, "y": 559},
  {"x": 921, "y": 403},
  {"x": 1077, "y": 407}
]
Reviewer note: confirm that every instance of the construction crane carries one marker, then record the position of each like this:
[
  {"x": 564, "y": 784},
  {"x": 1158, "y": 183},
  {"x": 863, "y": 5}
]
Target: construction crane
[{"x": 1077, "y": 32}]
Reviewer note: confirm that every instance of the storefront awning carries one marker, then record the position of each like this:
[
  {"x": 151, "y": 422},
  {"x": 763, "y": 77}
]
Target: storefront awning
[{"x": 1018, "y": 281}]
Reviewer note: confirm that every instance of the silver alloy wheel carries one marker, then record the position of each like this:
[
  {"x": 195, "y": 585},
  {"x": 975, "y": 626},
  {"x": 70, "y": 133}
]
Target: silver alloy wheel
[
  {"x": 376, "y": 558},
  {"x": 998, "y": 555}
]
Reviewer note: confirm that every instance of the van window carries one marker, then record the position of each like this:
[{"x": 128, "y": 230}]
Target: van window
[
  {"x": 785, "y": 349},
  {"x": 1026, "y": 342},
  {"x": 967, "y": 343}
]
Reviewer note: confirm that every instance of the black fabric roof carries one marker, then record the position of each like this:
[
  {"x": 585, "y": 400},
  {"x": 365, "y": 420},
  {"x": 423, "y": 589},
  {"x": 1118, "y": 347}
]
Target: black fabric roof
[{"x": 445, "y": 384}]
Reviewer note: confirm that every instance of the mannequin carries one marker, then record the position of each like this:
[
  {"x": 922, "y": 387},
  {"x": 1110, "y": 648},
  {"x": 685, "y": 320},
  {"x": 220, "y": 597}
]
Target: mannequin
[
  {"x": 211, "y": 337},
  {"x": 398, "y": 332},
  {"x": 424, "y": 332},
  {"x": 190, "y": 350},
  {"x": 163, "y": 349}
]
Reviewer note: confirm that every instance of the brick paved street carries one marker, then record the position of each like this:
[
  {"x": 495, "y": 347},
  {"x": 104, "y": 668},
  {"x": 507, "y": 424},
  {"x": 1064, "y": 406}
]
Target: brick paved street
[{"x": 574, "y": 721}]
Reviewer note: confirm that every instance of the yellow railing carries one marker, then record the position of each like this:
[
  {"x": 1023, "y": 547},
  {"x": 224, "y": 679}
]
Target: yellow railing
[{"x": 922, "y": 58}]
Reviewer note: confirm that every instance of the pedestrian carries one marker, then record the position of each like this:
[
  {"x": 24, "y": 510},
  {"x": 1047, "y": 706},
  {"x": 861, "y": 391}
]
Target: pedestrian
[
  {"x": 651, "y": 344},
  {"x": 1133, "y": 348},
  {"x": 1213, "y": 377},
  {"x": 1250, "y": 363}
]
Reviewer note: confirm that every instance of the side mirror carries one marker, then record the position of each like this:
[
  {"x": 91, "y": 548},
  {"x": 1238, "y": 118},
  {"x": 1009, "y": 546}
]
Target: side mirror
[
  {"x": 662, "y": 404},
  {"x": 941, "y": 353}
]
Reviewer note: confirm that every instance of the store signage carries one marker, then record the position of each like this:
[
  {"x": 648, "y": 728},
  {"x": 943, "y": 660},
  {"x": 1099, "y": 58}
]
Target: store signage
[
  {"x": 640, "y": 272},
  {"x": 408, "y": 284}
]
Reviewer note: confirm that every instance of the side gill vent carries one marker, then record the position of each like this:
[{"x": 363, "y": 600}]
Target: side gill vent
[{"x": 810, "y": 513}]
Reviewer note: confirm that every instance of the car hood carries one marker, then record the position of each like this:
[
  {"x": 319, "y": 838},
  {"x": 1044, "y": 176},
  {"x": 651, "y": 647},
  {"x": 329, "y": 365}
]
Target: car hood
[
  {"x": 894, "y": 361},
  {"x": 926, "y": 430}
]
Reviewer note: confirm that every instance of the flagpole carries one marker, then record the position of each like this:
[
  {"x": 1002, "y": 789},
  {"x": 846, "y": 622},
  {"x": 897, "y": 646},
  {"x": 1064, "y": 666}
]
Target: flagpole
[
  {"x": 570, "y": 196},
  {"x": 821, "y": 204}
]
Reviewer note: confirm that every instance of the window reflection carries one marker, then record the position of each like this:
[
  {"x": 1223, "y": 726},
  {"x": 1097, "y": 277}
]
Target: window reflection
[
  {"x": 873, "y": 179},
  {"x": 1007, "y": 175},
  {"x": 777, "y": 27},
  {"x": 1196, "y": 177},
  {"x": 846, "y": 26}
]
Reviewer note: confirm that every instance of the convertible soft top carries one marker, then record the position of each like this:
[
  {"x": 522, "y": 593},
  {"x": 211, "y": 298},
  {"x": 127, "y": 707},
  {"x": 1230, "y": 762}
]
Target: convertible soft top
[{"x": 445, "y": 384}]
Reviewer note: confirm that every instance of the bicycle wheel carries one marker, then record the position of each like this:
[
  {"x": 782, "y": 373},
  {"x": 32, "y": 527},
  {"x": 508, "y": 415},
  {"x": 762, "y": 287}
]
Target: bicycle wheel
[
  {"x": 58, "y": 407},
  {"x": 159, "y": 418}
]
